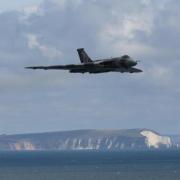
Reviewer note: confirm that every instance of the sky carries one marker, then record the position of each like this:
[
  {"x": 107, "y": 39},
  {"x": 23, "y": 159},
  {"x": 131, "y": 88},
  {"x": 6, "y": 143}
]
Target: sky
[
  {"x": 18, "y": 4},
  {"x": 48, "y": 32}
]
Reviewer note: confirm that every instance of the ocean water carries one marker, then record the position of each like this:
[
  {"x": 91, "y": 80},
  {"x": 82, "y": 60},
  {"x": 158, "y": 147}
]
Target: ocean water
[{"x": 154, "y": 165}]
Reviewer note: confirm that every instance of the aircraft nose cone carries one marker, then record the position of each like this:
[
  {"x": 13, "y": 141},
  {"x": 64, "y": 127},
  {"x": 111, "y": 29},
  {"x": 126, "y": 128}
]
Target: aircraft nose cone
[{"x": 134, "y": 63}]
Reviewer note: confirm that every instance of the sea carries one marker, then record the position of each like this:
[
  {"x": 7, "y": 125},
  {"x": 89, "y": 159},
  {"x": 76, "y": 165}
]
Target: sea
[{"x": 90, "y": 165}]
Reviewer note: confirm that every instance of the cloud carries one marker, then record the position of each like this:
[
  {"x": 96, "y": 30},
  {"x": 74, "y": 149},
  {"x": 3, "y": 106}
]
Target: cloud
[
  {"x": 51, "y": 32},
  {"x": 162, "y": 73},
  {"x": 161, "y": 76},
  {"x": 129, "y": 25},
  {"x": 28, "y": 11},
  {"x": 47, "y": 51},
  {"x": 61, "y": 5},
  {"x": 31, "y": 10}
]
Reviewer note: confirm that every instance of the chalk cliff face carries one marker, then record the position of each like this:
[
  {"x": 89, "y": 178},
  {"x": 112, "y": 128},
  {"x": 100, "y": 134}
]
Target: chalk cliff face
[
  {"x": 112, "y": 140},
  {"x": 176, "y": 141},
  {"x": 155, "y": 140}
]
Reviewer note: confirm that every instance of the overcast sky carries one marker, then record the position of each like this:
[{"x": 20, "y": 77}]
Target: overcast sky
[
  {"x": 49, "y": 32},
  {"x": 17, "y": 4}
]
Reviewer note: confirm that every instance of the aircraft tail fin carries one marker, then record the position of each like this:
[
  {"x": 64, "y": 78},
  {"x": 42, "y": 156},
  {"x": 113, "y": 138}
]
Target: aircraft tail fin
[{"x": 84, "y": 58}]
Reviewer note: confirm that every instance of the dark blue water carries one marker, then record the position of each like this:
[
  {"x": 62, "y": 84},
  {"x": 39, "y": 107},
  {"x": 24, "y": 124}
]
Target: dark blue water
[{"x": 90, "y": 165}]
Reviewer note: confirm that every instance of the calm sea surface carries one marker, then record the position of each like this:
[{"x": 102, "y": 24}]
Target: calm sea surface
[{"x": 153, "y": 165}]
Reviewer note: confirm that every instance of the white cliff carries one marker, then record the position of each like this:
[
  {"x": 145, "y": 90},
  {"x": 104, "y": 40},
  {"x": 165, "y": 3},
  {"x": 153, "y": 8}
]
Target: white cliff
[
  {"x": 154, "y": 140},
  {"x": 108, "y": 140}
]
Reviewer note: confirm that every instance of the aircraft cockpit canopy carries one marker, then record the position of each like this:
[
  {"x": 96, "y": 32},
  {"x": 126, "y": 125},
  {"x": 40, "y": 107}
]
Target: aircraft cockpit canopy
[{"x": 125, "y": 57}]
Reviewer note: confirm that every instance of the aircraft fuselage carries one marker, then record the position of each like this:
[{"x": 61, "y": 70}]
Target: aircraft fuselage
[{"x": 119, "y": 64}]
